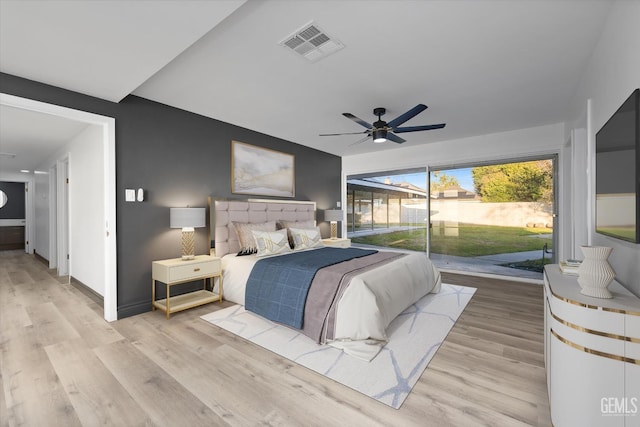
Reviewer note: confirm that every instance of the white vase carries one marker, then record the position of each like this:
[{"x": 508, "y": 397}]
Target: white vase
[{"x": 595, "y": 272}]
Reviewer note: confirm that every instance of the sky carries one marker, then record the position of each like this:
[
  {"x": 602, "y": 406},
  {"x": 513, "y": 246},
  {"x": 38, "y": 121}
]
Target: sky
[{"x": 463, "y": 175}]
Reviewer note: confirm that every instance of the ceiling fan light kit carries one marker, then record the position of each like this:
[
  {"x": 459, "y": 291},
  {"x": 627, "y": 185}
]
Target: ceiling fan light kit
[
  {"x": 381, "y": 131},
  {"x": 379, "y": 135}
]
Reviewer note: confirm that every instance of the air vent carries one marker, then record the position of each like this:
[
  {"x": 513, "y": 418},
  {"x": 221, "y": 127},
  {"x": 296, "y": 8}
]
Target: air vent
[{"x": 311, "y": 42}]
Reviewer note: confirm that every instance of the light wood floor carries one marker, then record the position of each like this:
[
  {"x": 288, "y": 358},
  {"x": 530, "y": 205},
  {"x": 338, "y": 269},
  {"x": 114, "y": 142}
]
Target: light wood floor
[{"x": 61, "y": 364}]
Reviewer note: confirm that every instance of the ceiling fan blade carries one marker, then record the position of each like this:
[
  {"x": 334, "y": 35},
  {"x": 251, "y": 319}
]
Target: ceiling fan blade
[
  {"x": 395, "y": 138},
  {"x": 360, "y": 141},
  {"x": 406, "y": 116},
  {"x": 346, "y": 133},
  {"x": 358, "y": 120},
  {"x": 419, "y": 128}
]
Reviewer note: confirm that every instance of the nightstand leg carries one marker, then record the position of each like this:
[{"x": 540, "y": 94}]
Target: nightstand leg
[
  {"x": 220, "y": 286},
  {"x": 168, "y": 306},
  {"x": 153, "y": 295}
]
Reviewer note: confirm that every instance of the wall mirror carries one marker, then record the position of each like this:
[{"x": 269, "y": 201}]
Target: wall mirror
[
  {"x": 618, "y": 173},
  {"x": 3, "y": 199}
]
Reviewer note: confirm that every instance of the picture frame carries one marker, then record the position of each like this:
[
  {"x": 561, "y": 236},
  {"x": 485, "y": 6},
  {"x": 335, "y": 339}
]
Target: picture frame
[{"x": 261, "y": 171}]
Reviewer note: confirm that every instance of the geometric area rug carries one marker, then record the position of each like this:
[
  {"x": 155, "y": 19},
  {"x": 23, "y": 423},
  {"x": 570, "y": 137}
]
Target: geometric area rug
[{"x": 414, "y": 337}]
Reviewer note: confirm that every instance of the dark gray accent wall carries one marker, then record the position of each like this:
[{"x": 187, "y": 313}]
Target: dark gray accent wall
[
  {"x": 14, "y": 209},
  {"x": 179, "y": 159}
]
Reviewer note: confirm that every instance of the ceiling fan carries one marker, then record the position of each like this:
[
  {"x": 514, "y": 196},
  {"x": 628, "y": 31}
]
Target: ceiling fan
[{"x": 382, "y": 131}]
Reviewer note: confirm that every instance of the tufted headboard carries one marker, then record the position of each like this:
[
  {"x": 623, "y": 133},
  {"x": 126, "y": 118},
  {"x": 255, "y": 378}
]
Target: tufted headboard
[{"x": 254, "y": 211}]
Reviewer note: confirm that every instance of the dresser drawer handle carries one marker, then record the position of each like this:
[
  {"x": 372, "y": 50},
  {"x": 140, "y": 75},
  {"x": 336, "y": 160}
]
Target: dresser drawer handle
[{"x": 196, "y": 269}]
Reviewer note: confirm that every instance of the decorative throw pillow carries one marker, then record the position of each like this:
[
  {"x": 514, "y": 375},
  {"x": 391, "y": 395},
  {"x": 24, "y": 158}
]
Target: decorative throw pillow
[
  {"x": 308, "y": 224},
  {"x": 271, "y": 242},
  {"x": 244, "y": 229},
  {"x": 306, "y": 238}
]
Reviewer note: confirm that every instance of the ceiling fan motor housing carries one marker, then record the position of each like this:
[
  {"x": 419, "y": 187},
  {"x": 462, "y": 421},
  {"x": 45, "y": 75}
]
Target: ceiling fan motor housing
[{"x": 379, "y": 111}]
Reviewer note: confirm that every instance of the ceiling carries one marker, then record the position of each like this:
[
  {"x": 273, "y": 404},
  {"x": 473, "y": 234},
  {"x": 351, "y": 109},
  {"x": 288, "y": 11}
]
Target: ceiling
[
  {"x": 32, "y": 137},
  {"x": 481, "y": 66}
]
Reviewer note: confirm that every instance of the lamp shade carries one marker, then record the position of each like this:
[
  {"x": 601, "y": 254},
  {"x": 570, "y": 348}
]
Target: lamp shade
[
  {"x": 333, "y": 215},
  {"x": 186, "y": 217}
]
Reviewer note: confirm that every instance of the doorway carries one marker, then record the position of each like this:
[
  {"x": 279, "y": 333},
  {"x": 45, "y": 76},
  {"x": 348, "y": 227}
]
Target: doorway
[
  {"x": 12, "y": 215},
  {"x": 107, "y": 243}
]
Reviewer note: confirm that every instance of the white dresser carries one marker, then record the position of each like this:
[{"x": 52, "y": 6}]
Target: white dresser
[{"x": 592, "y": 354}]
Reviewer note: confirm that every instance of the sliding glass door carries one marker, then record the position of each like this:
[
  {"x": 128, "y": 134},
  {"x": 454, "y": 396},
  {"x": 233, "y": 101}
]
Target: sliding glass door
[
  {"x": 388, "y": 209},
  {"x": 494, "y": 218}
]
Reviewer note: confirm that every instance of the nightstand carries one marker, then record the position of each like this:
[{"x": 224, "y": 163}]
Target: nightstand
[
  {"x": 176, "y": 271},
  {"x": 337, "y": 243}
]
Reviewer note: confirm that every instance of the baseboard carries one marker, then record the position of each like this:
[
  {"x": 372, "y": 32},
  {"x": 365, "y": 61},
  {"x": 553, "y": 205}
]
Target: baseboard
[
  {"x": 41, "y": 258},
  {"x": 95, "y": 297},
  {"x": 133, "y": 309}
]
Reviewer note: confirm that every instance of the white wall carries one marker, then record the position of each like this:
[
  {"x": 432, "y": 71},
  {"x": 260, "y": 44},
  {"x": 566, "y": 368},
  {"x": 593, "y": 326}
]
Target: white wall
[
  {"x": 41, "y": 218},
  {"x": 542, "y": 140},
  {"x": 613, "y": 72},
  {"x": 86, "y": 206}
]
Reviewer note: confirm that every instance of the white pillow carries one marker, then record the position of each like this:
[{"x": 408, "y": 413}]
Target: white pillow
[
  {"x": 306, "y": 238},
  {"x": 294, "y": 224},
  {"x": 271, "y": 242},
  {"x": 243, "y": 231}
]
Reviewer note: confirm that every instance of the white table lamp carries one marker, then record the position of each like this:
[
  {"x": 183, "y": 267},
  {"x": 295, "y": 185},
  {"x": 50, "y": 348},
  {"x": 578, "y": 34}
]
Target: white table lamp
[
  {"x": 187, "y": 219},
  {"x": 333, "y": 215}
]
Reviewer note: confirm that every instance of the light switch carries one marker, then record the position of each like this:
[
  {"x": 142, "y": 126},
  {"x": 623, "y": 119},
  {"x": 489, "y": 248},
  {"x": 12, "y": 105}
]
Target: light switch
[
  {"x": 140, "y": 195},
  {"x": 129, "y": 195}
]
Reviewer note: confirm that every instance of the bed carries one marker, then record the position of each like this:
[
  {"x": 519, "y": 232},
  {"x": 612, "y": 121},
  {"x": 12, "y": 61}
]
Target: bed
[{"x": 368, "y": 289}]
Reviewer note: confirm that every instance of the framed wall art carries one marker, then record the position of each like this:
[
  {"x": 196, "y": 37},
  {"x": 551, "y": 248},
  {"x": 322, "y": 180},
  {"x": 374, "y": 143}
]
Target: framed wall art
[{"x": 261, "y": 171}]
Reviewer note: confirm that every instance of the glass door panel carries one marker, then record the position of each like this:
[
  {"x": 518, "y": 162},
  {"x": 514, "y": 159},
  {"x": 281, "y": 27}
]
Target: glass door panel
[
  {"x": 496, "y": 218},
  {"x": 389, "y": 209}
]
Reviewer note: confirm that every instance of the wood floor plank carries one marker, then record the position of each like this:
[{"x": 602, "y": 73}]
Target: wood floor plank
[
  {"x": 13, "y": 313},
  {"x": 93, "y": 329},
  {"x": 79, "y": 369},
  {"x": 501, "y": 371},
  {"x": 33, "y": 393},
  {"x": 4, "y": 412},
  {"x": 50, "y": 325},
  {"x": 515, "y": 402},
  {"x": 59, "y": 360},
  {"x": 162, "y": 398},
  {"x": 455, "y": 410}
]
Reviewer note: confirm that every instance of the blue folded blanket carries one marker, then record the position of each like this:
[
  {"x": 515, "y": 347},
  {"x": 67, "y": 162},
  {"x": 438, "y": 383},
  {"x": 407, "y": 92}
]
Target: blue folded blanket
[{"x": 278, "y": 286}]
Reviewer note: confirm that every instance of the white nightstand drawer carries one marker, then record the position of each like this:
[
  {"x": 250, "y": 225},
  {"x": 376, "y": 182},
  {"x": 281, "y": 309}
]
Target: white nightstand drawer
[
  {"x": 177, "y": 270},
  {"x": 185, "y": 272}
]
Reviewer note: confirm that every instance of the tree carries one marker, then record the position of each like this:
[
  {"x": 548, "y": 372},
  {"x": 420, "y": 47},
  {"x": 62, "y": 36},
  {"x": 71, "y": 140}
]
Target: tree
[
  {"x": 443, "y": 182},
  {"x": 514, "y": 182}
]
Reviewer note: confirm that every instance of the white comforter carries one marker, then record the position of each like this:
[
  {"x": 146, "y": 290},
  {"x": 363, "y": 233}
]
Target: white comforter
[{"x": 369, "y": 304}]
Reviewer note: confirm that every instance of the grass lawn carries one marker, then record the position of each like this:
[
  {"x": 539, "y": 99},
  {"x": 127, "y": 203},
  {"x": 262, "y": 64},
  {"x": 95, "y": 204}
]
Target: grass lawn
[{"x": 472, "y": 240}]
